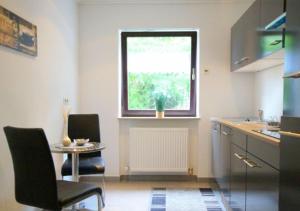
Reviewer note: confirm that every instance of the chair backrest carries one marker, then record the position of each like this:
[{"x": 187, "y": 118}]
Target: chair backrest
[
  {"x": 35, "y": 179},
  {"x": 84, "y": 126}
]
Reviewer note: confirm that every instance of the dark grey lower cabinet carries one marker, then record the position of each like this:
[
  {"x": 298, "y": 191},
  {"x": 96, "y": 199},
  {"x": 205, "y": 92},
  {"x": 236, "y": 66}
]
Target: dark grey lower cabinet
[
  {"x": 216, "y": 151},
  {"x": 226, "y": 135},
  {"x": 238, "y": 179},
  {"x": 246, "y": 170},
  {"x": 262, "y": 186}
]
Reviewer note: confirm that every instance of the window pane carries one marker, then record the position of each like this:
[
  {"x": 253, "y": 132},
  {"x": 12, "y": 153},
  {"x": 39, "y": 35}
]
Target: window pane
[{"x": 159, "y": 65}]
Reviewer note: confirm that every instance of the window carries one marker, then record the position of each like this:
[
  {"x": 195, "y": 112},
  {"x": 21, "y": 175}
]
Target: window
[{"x": 158, "y": 63}]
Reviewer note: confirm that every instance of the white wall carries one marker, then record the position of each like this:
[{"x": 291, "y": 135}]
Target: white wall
[
  {"x": 32, "y": 88},
  {"x": 222, "y": 93},
  {"x": 268, "y": 92}
]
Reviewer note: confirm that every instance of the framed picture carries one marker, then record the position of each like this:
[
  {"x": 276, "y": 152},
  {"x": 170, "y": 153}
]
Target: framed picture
[{"x": 17, "y": 33}]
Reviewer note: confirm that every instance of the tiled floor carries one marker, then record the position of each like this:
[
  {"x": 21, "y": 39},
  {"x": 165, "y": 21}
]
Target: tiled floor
[{"x": 134, "y": 196}]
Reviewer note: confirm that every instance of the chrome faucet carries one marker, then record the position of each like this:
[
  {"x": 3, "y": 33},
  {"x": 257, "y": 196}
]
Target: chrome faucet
[{"x": 261, "y": 115}]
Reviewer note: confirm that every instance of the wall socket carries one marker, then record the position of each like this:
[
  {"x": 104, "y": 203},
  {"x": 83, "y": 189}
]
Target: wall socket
[
  {"x": 126, "y": 168},
  {"x": 66, "y": 101}
]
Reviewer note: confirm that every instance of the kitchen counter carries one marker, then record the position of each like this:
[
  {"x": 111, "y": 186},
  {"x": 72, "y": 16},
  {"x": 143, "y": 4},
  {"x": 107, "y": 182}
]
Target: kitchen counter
[{"x": 247, "y": 128}]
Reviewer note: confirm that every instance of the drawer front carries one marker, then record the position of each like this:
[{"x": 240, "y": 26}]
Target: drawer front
[
  {"x": 239, "y": 139},
  {"x": 262, "y": 186},
  {"x": 226, "y": 130},
  {"x": 226, "y": 134},
  {"x": 265, "y": 151},
  {"x": 238, "y": 178}
]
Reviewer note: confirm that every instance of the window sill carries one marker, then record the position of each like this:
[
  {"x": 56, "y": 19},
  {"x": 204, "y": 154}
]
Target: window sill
[{"x": 154, "y": 118}]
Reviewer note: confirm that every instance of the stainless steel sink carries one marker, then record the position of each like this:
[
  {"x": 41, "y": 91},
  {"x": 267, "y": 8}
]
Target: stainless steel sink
[{"x": 245, "y": 120}]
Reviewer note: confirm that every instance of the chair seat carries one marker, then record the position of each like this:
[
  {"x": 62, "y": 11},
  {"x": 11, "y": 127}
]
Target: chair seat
[
  {"x": 90, "y": 165},
  {"x": 70, "y": 192}
]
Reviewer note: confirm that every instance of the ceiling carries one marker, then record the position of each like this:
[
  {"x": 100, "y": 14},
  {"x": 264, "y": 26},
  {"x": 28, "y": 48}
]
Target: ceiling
[{"x": 159, "y": 1}]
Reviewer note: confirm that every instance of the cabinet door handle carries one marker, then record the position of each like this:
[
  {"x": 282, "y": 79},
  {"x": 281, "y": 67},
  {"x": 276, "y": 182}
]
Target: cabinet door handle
[
  {"x": 244, "y": 59},
  {"x": 236, "y": 62},
  {"x": 225, "y": 133},
  {"x": 290, "y": 134},
  {"x": 292, "y": 75},
  {"x": 251, "y": 164},
  {"x": 241, "y": 60},
  {"x": 276, "y": 42},
  {"x": 240, "y": 157}
]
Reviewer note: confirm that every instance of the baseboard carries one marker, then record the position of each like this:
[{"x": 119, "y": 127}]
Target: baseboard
[
  {"x": 209, "y": 180},
  {"x": 150, "y": 178},
  {"x": 97, "y": 178},
  {"x": 156, "y": 178},
  {"x": 113, "y": 179}
]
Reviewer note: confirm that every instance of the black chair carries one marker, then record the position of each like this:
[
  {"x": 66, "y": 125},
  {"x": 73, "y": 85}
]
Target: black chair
[
  {"x": 35, "y": 180},
  {"x": 85, "y": 126}
]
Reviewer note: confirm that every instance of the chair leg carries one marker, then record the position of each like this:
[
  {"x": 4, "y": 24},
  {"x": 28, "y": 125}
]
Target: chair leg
[
  {"x": 103, "y": 187},
  {"x": 73, "y": 208},
  {"x": 100, "y": 202}
]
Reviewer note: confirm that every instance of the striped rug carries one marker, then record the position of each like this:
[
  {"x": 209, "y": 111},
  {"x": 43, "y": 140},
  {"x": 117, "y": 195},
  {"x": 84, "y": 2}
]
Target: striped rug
[{"x": 202, "y": 199}]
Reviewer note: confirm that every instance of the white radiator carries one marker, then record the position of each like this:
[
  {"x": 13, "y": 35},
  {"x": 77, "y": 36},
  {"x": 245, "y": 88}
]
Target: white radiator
[{"x": 158, "y": 150}]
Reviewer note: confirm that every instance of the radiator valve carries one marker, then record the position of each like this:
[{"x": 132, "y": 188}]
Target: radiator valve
[{"x": 190, "y": 171}]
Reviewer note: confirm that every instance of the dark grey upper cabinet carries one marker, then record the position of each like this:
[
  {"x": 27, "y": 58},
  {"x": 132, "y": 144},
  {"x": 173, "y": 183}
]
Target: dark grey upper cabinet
[
  {"x": 270, "y": 40},
  {"x": 244, "y": 38},
  {"x": 292, "y": 45},
  {"x": 252, "y": 29},
  {"x": 238, "y": 38},
  {"x": 252, "y": 39},
  {"x": 270, "y": 10}
]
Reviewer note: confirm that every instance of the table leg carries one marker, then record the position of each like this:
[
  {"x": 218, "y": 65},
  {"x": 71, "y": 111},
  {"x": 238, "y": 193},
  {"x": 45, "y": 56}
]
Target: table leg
[
  {"x": 75, "y": 173},
  {"x": 75, "y": 167}
]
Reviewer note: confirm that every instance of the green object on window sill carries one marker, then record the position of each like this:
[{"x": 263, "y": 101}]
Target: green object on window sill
[{"x": 160, "y": 102}]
